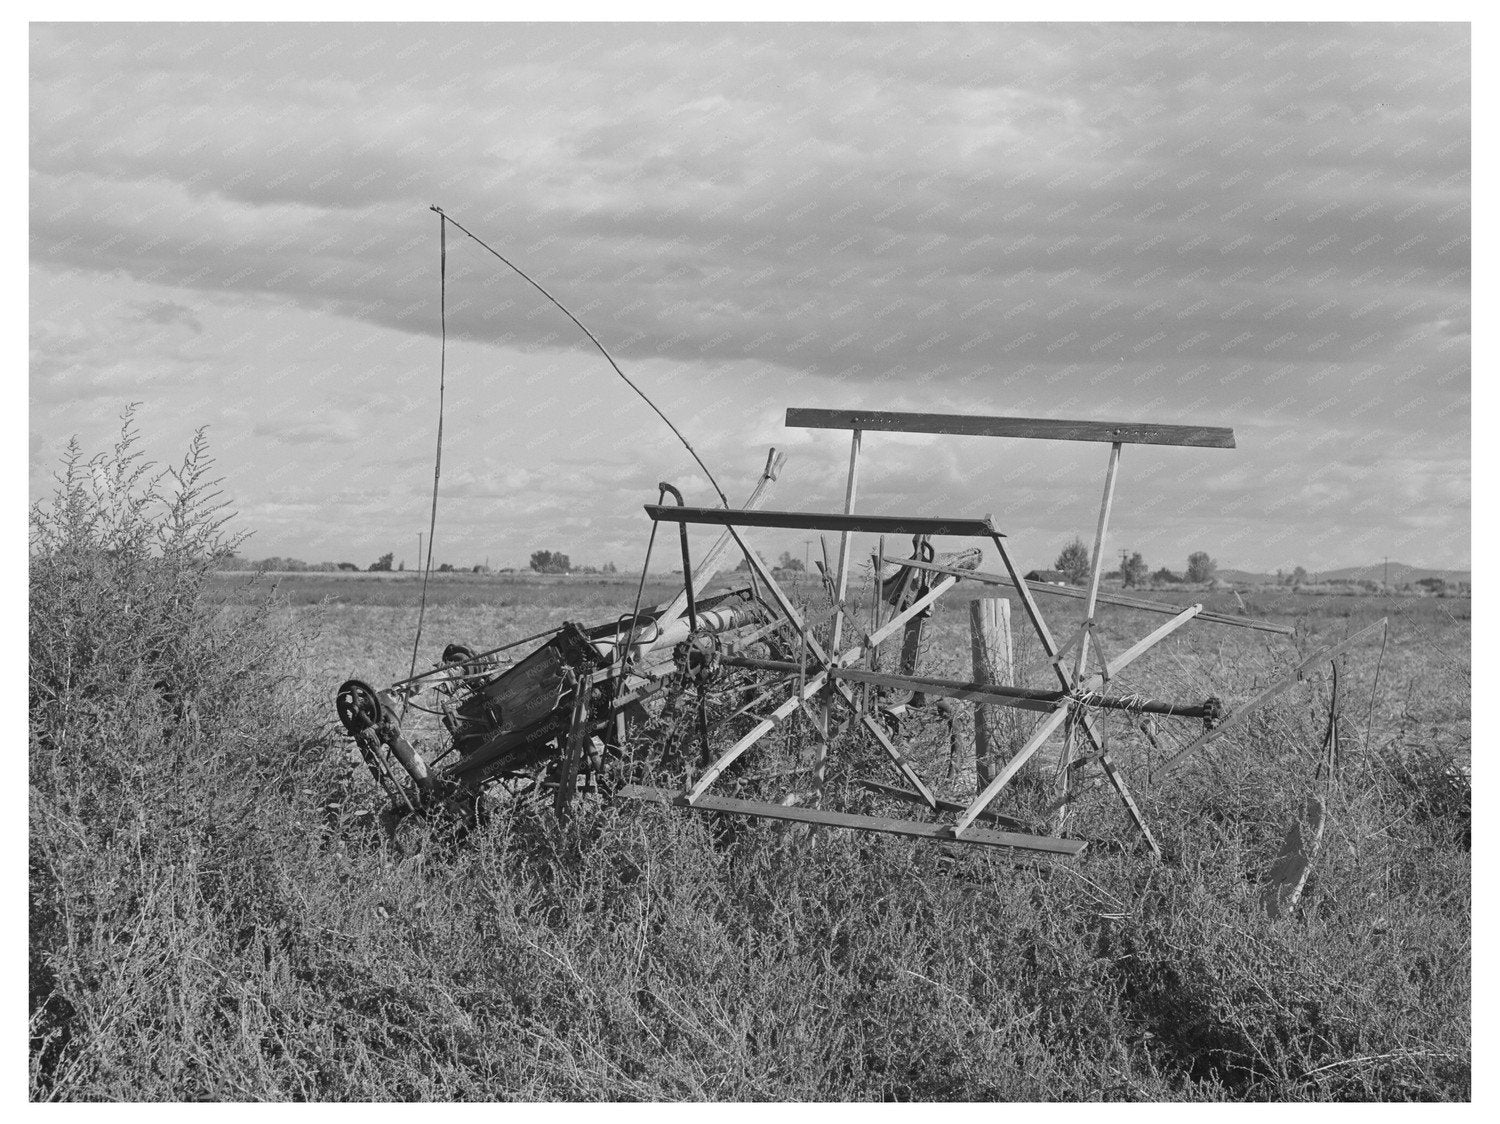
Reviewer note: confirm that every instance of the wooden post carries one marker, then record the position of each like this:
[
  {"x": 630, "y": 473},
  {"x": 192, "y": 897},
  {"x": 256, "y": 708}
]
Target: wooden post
[{"x": 994, "y": 663}]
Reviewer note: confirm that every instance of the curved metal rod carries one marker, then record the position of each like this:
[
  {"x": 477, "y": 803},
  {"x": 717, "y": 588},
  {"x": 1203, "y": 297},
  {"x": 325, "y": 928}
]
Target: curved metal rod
[{"x": 595, "y": 339}]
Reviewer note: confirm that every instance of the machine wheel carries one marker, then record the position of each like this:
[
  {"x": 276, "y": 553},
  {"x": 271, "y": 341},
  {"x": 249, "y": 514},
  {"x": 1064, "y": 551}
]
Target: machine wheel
[{"x": 358, "y": 706}]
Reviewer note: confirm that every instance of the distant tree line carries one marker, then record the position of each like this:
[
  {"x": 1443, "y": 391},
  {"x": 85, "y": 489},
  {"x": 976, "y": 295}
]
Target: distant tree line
[
  {"x": 232, "y": 561},
  {"x": 1075, "y": 563},
  {"x": 543, "y": 561},
  {"x": 785, "y": 562},
  {"x": 556, "y": 562}
]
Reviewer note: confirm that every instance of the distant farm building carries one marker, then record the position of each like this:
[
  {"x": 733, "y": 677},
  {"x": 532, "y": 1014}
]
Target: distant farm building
[{"x": 1048, "y": 577}]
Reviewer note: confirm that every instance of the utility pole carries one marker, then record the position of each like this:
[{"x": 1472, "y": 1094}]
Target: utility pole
[
  {"x": 806, "y": 555},
  {"x": 419, "y": 550},
  {"x": 1386, "y": 581}
]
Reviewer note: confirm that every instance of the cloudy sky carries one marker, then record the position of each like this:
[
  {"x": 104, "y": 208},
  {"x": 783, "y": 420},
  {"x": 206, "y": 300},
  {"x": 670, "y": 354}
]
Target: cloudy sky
[{"x": 1259, "y": 226}]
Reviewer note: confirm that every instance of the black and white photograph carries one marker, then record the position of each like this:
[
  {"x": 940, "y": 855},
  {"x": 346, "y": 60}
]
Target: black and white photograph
[{"x": 812, "y": 557}]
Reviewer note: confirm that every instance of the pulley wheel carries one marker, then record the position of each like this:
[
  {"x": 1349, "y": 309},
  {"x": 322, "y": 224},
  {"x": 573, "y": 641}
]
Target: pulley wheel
[{"x": 358, "y": 705}]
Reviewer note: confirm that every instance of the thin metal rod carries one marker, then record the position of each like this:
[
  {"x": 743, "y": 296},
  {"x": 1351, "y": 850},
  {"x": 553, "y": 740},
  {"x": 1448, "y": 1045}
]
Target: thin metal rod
[
  {"x": 595, "y": 339},
  {"x": 479, "y": 656},
  {"x": 437, "y": 466}
]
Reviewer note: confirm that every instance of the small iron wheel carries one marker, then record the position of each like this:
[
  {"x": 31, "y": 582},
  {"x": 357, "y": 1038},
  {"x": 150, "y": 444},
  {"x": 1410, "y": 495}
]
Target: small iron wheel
[{"x": 358, "y": 706}]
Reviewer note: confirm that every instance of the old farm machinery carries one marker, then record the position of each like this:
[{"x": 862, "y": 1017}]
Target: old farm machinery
[
  {"x": 670, "y": 703},
  {"x": 680, "y": 703}
]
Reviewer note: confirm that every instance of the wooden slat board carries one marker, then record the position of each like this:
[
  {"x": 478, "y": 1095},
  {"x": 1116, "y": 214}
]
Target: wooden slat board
[
  {"x": 823, "y": 520},
  {"x": 1046, "y": 429},
  {"x": 1066, "y": 848}
]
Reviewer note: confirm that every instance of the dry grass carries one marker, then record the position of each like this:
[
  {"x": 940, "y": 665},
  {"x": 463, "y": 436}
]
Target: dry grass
[{"x": 217, "y": 913}]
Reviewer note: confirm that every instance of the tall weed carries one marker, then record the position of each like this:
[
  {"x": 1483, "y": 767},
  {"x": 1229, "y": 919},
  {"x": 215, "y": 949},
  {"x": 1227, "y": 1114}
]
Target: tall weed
[{"x": 163, "y": 745}]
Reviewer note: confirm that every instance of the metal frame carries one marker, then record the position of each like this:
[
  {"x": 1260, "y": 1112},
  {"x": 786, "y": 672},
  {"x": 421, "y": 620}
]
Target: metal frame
[
  {"x": 829, "y": 674},
  {"x": 621, "y": 658},
  {"x": 611, "y": 654}
]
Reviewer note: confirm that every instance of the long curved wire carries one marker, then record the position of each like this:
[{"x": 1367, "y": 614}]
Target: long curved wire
[{"x": 602, "y": 350}]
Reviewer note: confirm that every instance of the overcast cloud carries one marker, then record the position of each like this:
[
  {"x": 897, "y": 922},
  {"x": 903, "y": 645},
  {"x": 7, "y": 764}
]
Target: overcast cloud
[{"x": 1265, "y": 227}]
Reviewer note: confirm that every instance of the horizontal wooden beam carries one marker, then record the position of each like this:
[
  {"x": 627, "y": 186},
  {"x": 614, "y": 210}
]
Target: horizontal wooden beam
[
  {"x": 1046, "y": 429},
  {"x": 823, "y": 521},
  {"x": 1104, "y": 598},
  {"x": 939, "y": 832}
]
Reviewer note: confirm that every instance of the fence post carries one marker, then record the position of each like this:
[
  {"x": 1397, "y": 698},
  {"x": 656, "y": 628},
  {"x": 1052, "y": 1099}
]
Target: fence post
[{"x": 994, "y": 663}]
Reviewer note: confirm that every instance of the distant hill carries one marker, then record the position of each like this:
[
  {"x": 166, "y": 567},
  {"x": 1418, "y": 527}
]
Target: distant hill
[{"x": 1400, "y": 573}]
